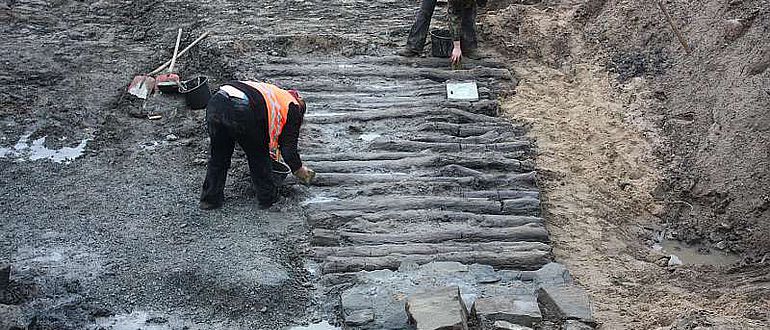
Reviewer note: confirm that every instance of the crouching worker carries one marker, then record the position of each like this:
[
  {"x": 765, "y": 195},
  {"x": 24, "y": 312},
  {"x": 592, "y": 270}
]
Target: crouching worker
[{"x": 265, "y": 121}]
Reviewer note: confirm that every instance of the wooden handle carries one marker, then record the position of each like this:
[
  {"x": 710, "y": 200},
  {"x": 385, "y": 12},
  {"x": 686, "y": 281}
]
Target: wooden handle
[
  {"x": 160, "y": 68},
  {"x": 673, "y": 27},
  {"x": 176, "y": 51}
]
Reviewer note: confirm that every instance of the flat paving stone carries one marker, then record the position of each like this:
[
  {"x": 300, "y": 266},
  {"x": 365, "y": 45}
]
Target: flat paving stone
[
  {"x": 519, "y": 309},
  {"x": 359, "y": 317},
  {"x": 437, "y": 309},
  {"x": 568, "y": 301},
  {"x": 576, "y": 325},
  {"x": 502, "y": 325}
]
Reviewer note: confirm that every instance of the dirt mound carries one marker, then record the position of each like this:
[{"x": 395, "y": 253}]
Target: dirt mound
[
  {"x": 712, "y": 107},
  {"x": 640, "y": 141}
]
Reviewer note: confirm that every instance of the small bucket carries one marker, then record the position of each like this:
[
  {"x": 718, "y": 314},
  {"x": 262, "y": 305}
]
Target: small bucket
[
  {"x": 441, "y": 43},
  {"x": 280, "y": 172},
  {"x": 168, "y": 87},
  {"x": 196, "y": 92}
]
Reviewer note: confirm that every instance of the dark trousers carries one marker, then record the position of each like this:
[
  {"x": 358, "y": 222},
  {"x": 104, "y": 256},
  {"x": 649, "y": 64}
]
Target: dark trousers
[
  {"x": 230, "y": 120},
  {"x": 419, "y": 31},
  {"x": 467, "y": 19}
]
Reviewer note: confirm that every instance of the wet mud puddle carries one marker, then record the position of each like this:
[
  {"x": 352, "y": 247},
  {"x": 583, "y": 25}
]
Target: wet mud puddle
[
  {"x": 36, "y": 149},
  {"x": 695, "y": 254}
]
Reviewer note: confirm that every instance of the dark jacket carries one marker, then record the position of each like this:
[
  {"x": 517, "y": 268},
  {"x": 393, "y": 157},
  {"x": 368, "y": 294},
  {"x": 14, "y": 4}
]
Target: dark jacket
[{"x": 289, "y": 137}]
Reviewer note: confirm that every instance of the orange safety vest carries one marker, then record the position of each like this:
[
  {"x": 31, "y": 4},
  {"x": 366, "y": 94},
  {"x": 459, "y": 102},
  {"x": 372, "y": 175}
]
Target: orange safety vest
[{"x": 277, "y": 101}]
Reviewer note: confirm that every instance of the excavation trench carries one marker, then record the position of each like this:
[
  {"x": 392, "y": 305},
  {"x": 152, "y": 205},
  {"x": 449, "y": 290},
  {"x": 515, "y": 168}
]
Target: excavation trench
[{"x": 410, "y": 184}]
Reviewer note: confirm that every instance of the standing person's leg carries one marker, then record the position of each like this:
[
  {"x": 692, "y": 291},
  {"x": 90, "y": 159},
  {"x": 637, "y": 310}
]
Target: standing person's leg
[
  {"x": 469, "y": 42},
  {"x": 419, "y": 32},
  {"x": 220, "y": 152},
  {"x": 251, "y": 133}
]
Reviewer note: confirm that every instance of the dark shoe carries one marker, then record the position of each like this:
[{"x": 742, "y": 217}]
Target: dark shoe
[
  {"x": 407, "y": 52},
  {"x": 208, "y": 206}
]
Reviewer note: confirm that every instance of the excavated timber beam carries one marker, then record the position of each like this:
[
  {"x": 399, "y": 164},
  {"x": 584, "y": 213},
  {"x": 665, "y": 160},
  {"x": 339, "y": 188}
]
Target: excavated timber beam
[
  {"x": 361, "y": 156},
  {"x": 487, "y": 90},
  {"x": 425, "y": 62},
  {"x": 355, "y": 104},
  {"x": 427, "y": 162},
  {"x": 461, "y": 116},
  {"x": 432, "y": 188},
  {"x": 526, "y": 233},
  {"x": 337, "y": 219},
  {"x": 434, "y": 74},
  {"x": 465, "y": 130},
  {"x": 523, "y": 260},
  {"x": 515, "y": 181},
  {"x": 319, "y": 253},
  {"x": 394, "y": 144},
  {"x": 519, "y": 206},
  {"x": 386, "y": 155},
  {"x": 492, "y": 136}
]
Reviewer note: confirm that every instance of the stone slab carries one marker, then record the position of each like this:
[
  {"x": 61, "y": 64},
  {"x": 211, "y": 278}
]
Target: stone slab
[
  {"x": 518, "y": 309},
  {"x": 568, "y": 301},
  {"x": 576, "y": 325},
  {"x": 437, "y": 309},
  {"x": 502, "y": 325},
  {"x": 359, "y": 317}
]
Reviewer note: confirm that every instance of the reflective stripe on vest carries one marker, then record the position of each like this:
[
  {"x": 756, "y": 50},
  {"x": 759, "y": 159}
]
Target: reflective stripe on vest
[{"x": 277, "y": 101}]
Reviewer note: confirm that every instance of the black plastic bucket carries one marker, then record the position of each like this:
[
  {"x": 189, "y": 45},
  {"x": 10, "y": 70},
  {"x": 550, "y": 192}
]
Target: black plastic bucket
[
  {"x": 196, "y": 92},
  {"x": 441, "y": 43},
  {"x": 280, "y": 172}
]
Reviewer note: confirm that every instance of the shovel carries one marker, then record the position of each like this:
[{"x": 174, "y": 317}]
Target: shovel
[
  {"x": 143, "y": 85},
  {"x": 169, "y": 82}
]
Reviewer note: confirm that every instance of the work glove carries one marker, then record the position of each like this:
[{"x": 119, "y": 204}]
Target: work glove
[{"x": 304, "y": 174}]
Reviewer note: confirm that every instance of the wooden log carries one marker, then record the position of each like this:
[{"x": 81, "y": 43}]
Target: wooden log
[
  {"x": 457, "y": 115},
  {"x": 527, "y": 233},
  {"x": 489, "y": 137},
  {"x": 395, "y": 144},
  {"x": 320, "y": 253},
  {"x": 462, "y": 130},
  {"x": 501, "y": 195},
  {"x": 458, "y": 171},
  {"x": 520, "y": 206},
  {"x": 523, "y": 260},
  {"x": 361, "y": 156},
  {"x": 484, "y": 107},
  {"x": 400, "y": 188},
  {"x": 512, "y": 181},
  {"x": 336, "y": 219},
  {"x": 434, "y": 74},
  {"x": 368, "y": 116},
  {"x": 494, "y": 162},
  {"x": 425, "y": 62},
  {"x": 449, "y": 189},
  {"x": 335, "y": 84},
  {"x": 388, "y": 155},
  {"x": 356, "y": 103}
]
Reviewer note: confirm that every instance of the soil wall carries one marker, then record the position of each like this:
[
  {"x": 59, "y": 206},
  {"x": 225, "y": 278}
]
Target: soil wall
[{"x": 708, "y": 111}]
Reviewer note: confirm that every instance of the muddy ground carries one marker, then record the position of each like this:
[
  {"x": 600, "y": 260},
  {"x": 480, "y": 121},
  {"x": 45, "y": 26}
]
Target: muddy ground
[
  {"x": 116, "y": 234},
  {"x": 640, "y": 142}
]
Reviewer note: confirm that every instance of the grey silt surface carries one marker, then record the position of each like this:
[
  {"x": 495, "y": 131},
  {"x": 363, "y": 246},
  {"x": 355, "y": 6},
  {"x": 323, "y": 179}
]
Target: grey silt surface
[{"x": 114, "y": 238}]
